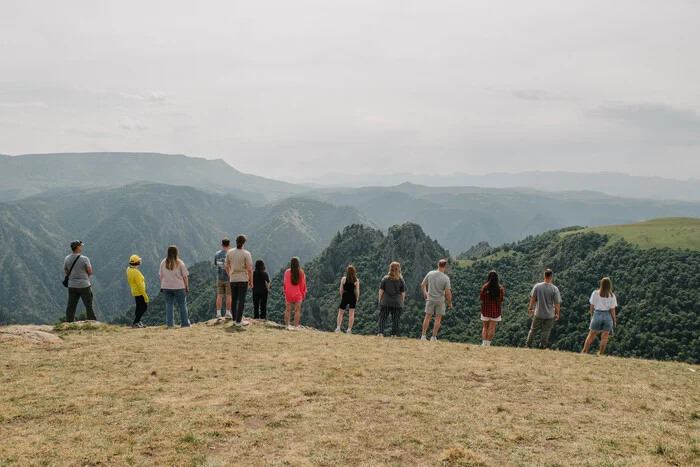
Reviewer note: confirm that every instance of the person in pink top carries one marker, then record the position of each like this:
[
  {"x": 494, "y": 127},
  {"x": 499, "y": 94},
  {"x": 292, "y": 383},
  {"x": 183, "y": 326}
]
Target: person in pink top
[{"x": 294, "y": 292}]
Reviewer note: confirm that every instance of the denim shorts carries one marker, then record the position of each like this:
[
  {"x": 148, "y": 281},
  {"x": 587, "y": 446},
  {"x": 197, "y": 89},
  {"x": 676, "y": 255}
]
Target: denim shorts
[{"x": 601, "y": 321}]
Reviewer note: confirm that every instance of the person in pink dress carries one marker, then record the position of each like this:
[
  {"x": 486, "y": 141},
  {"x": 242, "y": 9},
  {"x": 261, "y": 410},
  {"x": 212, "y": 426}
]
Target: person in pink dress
[{"x": 294, "y": 292}]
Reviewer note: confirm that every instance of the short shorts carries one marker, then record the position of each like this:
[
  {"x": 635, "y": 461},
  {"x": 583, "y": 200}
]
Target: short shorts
[
  {"x": 435, "y": 308},
  {"x": 601, "y": 321},
  {"x": 223, "y": 287},
  {"x": 348, "y": 301},
  {"x": 486, "y": 318}
]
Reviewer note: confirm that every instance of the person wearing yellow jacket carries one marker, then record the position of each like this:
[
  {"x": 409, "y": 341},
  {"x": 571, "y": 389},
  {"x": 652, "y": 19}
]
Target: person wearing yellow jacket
[{"x": 138, "y": 289}]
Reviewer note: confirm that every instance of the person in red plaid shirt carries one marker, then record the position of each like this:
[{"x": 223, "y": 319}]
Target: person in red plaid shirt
[{"x": 491, "y": 297}]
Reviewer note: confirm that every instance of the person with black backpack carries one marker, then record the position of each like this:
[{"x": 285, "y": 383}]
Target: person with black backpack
[{"x": 78, "y": 270}]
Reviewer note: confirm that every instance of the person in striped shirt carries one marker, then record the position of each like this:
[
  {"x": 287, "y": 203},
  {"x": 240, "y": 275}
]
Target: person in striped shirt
[{"x": 491, "y": 297}]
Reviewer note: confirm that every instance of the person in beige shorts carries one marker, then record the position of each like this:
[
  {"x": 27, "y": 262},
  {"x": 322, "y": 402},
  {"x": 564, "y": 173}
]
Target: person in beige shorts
[
  {"x": 223, "y": 286},
  {"x": 436, "y": 288}
]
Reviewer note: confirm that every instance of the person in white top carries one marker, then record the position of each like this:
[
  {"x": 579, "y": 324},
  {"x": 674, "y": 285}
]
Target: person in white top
[{"x": 603, "y": 319}]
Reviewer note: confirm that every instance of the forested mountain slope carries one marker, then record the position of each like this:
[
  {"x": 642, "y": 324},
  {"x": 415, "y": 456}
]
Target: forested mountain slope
[
  {"x": 142, "y": 219},
  {"x": 658, "y": 290}
]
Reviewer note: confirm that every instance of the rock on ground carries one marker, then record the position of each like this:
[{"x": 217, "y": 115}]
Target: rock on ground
[{"x": 30, "y": 333}]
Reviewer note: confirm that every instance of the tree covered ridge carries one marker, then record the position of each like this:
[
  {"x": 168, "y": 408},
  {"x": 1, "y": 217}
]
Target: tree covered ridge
[{"x": 657, "y": 289}]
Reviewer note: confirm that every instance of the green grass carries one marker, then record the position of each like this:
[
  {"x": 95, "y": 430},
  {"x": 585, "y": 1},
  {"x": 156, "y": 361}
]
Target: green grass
[{"x": 671, "y": 232}]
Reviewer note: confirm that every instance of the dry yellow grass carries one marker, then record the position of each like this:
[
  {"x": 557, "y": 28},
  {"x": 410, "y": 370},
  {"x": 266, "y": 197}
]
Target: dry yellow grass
[{"x": 262, "y": 395}]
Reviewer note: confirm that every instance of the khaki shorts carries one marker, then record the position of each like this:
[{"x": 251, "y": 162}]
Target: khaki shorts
[
  {"x": 223, "y": 287},
  {"x": 435, "y": 308}
]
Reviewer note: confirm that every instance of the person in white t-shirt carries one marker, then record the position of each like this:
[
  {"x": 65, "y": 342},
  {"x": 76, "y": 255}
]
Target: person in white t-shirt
[{"x": 603, "y": 303}]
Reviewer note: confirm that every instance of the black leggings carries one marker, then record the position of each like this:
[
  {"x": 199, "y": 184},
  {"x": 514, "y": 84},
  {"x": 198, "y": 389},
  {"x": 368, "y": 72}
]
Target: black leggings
[
  {"x": 395, "y": 313},
  {"x": 260, "y": 305},
  {"x": 141, "y": 307}
]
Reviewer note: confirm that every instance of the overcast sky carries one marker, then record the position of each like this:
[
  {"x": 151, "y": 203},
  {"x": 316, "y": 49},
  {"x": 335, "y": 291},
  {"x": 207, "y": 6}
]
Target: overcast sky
[{"x": 297, "y": 89}]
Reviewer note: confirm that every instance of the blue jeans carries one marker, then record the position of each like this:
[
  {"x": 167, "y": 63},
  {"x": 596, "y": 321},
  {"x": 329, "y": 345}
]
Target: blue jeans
[{"x": 171, "y": 296}]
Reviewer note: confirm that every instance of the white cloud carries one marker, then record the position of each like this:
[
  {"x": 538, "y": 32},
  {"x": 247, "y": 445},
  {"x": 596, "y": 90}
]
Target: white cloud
[
  {"x": 153, "y": 97},
  {"x": 129, "y": 124}
]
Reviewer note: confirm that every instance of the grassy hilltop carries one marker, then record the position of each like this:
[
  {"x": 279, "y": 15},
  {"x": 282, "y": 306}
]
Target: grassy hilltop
[
  {"x": 213, "y": 395},
  {"x": 670, "y": 232}
]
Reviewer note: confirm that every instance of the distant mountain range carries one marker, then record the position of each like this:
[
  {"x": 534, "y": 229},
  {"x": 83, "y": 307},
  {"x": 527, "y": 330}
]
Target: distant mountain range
[
  {"x": 460, "y": 217},
  {"x": 31, "y": 174},
  {"x": 456, "y": 216},
  {"x": 610, "y": 183},
  {"x": 195, "y": 202}
]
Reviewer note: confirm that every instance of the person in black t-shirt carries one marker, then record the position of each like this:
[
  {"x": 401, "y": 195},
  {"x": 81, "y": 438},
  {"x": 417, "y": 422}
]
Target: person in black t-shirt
[
  {"x": 392, "y": 297},
  {"x": 349, "y": 294},
  {"x": 261, "y": 285}
]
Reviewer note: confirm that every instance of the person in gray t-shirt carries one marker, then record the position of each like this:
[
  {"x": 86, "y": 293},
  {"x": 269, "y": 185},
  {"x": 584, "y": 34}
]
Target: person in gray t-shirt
[
  {"x": 223, "y": 285},
  {"x": 436, "y": 287},
  {"x": 78, "y": 282},
  {"x": 545, "y": 302}
]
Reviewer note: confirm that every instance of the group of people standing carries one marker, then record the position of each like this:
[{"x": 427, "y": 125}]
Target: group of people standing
[{"x": 236, "y": 274}]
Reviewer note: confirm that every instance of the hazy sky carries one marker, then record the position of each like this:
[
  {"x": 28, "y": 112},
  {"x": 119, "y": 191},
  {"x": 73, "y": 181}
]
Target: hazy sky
[{"x": 296, "y": 89}]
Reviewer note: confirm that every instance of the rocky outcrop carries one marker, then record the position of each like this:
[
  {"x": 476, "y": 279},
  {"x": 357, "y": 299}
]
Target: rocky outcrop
[{"x": 30, "y": 333}]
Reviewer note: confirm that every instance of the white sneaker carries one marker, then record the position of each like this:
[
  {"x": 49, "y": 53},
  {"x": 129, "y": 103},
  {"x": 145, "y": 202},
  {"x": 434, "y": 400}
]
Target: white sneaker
[
  {"x": 380, "y": 335},
  {"x": 243, "y": 323},
  {"x": 433, "y": 339},
  {"x": 337, "y": 330},
  {"x": 349, "y": 331},
  {"x": 423, "y": 338},
  {"x": 229, "y": 315},
  {"x": 290, "y": 327},
  {"x": 218, "y": 314}
]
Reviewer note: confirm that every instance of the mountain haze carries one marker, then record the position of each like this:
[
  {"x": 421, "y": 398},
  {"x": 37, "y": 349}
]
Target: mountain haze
[
  {"x": 610, "y": 183},
  {"x": 460, "y": 217},
  {"x": 31, "y": 174}
]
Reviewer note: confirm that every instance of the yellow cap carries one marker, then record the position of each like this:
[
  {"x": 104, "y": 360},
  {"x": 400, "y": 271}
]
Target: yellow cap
[{"x": 134, "y": 259}]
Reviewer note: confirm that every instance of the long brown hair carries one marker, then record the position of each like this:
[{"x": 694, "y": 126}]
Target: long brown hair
[
  {"x": 350, "y": 275},
  {"x": 171, "y": 261},
  {"x": 605, "y": 288},
  {"x": 493, "y": 287},
  {"x": 296, "y": 270},
  {"x": 395, "y": 271}
]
